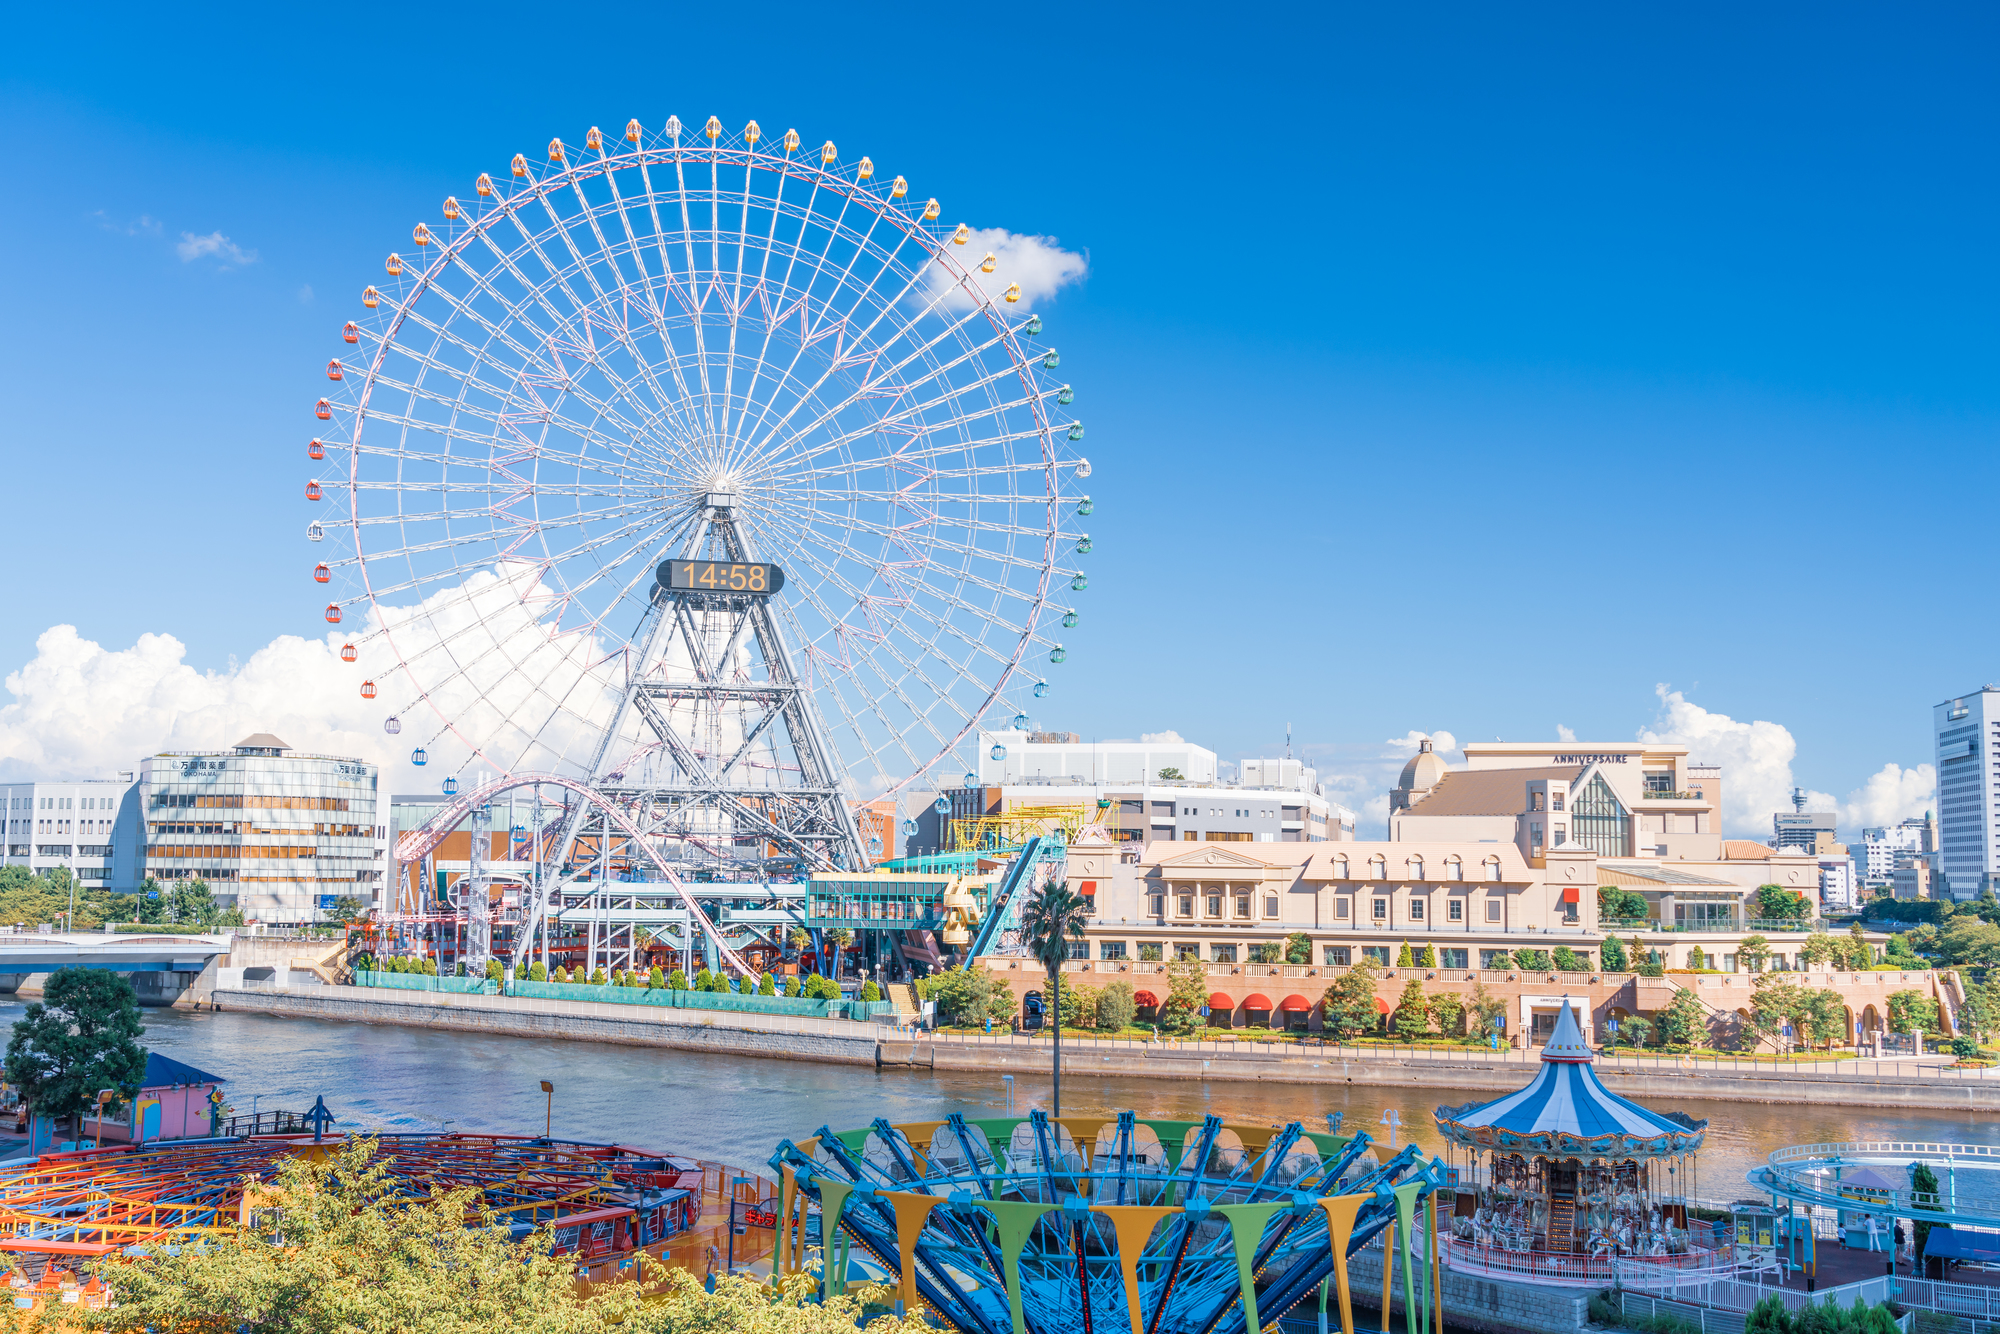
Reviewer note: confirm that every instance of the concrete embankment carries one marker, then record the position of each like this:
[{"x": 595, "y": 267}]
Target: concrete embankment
[
  {"x": 848, "y": 1043},
  {"x": 834, "y": 1040}
]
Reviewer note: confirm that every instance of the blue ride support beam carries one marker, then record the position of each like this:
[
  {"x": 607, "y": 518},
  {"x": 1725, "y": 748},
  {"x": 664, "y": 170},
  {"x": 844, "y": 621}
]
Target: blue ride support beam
[
  {"x": 1014, "y": 1221},
  {"x": 1340, "y": 1214},
  {"x": 1246, "y": 1229}
]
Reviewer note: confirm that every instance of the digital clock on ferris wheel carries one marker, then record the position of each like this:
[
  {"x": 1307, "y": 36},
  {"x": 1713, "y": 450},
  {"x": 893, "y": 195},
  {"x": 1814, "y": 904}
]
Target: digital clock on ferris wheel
[{"x": 756, "y": 578}]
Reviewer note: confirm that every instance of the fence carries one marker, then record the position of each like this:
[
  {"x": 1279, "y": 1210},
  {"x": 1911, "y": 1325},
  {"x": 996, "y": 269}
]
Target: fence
[{"x": 267, "y": 1123}]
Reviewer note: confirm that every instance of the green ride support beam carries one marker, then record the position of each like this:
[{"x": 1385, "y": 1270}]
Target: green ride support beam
[
  {"x": 1246, "y": 1229},
  {"x": 1406, "y": 1206},
  {"x": 1014, "y": 1221},
  {"x": 832, "y": 1199}
]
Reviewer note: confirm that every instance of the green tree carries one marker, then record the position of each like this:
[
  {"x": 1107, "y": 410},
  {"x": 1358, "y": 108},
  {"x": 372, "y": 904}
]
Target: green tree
[
  {"x": 1298, "y": 948},
  {"x": 1053, "y": 916},
  {"x": 1485, "y": 1011},
  {"x": 1859, "y": 955},
  {"x": 767, "y": 987},
  {"x": 1683, "y": 1023},
  {"x": 1413, "y": 1012},
  {"x": 1448, "y": 1012},
  {"x": 1620, "y": 905},
  {"x": 1924, "y": 1182},
  {"x": 1775, "y": 903},
  {"x": 345, "y": 909},
  {"x": 1187, "y": 992},
  {"x": 656, "y": 977},
  {"x": 538, "y": 971},
  {"x": 1532, "y": 961},
  {"x": 1643, "y": 962},
  {"x": 1902, "y": 953},
  {"x": 704, "y": 980},
  {"x": 1753, "y": 953},
  {"x": 80, "y": 1038},
  {"x": 870, "y": 993},
  {"x": 1912, "y": 1010},
  {"x": 1116, "y": 1007},
  {"x": 1170, "y": 774},
  {"x": 1634, "y": 1030},
  {"x": 1696, "y": 959},
  {"x": 1613, "y": 951},
  {"x": 837, "y": 939},
  {"x": 1427, "y": 957},
  {"x": 597, "y": 978},
  {"x": 1404, "y": 959},
  {"x": 677, "y": 980},
  {"x": 1350, "y": 1001},
  {"x": 1817, "y": 948},
  {"x": 1569, "y": 961}
]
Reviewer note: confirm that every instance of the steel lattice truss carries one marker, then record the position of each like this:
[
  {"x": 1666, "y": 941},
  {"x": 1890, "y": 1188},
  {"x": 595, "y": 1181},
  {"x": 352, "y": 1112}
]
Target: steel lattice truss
[
  {"x": 170, "y": 1193},
  {"x": 1093, "y": 1225},
  {"x": 542, "y": 401}
]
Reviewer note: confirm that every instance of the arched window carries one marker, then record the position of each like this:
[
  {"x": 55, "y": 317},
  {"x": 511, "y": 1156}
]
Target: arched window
[
  {"x": 1416, "y": 868},
  {"x": 1378, "y": 867},
  {"x": 1492, "y": 868},
  {"x": 1454, "y": 869},
  {"x": 1340, "y": 868}
]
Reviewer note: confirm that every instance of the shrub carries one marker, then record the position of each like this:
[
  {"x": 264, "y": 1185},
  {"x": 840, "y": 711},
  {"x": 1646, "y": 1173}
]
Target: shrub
[
  {"x": 1965, "y": 1049},
  {"x": 1696, "y": 959},
  {"x": 538, "y": 971},
  {"x": 871, "y": 992},
  {"x": 1618, "y": 904},
  {"x": 1569, "y": 961},
  {"x": 1427, "y": 957},
  {"x": 1298, "y": 948},
  {"x": 492, "y": 970},
  {"x": 1604, "y": 1308},
  {"x": 1613, "y": 952},
  {"x": 597, "y": 978},
  {"x": 704, "y": 980},
  {"x": 657, "y": 978},
  {"x": 768, "y": 987},
  {"x": 1403, "y": 957},
  {"x": 1449, "y": 1013},
  {"x": 1532, "y": 961},
  {"x": 430, "y": 967},
  {"x": 562, "y": 974},
  {"x": 1116, "y": 1006},
  {"x": 677, "y": 980}
]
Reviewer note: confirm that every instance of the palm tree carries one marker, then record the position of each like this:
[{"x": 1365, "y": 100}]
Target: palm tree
[{"x": 1053, "y": 916}]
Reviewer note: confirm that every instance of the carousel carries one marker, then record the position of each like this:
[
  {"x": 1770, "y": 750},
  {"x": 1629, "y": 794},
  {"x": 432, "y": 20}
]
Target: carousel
[{"x": 1564, "y": 1179}]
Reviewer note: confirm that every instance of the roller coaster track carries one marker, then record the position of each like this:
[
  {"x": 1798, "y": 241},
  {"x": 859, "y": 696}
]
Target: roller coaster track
[{"x": 416, "y": 844}]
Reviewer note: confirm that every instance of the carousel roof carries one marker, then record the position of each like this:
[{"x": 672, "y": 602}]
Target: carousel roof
[{"x": 1567, "y": 1110}]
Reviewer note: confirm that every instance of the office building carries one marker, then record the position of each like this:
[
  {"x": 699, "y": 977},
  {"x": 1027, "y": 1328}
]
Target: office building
[
  {"x": 278, "y": 835},
  {"x": 92, "y": 827},
  {"x": 1839, "y": 891},
  {"x": 1816, "y": 832},
  {"x": 1968, "y": 769},
  {"x": 1020, "y": 756},
  {"x": 1875, "y": 854}
]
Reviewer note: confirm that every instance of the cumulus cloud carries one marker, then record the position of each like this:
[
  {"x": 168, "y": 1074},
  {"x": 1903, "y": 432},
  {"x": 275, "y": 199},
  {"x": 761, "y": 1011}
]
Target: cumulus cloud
[
  {"x": 192, "y": 247},
  {"x": 475, "y": 674},
  {"x": 1565, "y": 735},
  {"x": 1442, "y": 742},
  {"x": 1757, "y": 778},
  {"x": 1040, "y": 265},
  {"x": 1161, "y": 738}
]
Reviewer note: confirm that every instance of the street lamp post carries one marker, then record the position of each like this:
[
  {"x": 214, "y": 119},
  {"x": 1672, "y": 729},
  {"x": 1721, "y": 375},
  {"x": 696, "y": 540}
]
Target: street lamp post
[
  {"x": 735, "y": 1196},
  {"x": 103, "y": 1096},
  {"x": 549, "y": 1127}
]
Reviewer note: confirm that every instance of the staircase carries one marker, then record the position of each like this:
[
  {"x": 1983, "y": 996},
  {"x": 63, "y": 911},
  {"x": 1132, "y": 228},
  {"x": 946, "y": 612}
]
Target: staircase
[
  {"x": 1562, "y": 1223},
  {"x": 905, "y": 996}
]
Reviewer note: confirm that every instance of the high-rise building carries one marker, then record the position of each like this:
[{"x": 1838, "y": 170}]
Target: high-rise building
[
  {"x": 1968, "y": 770},
  {"x": 1875, "y": 854},
  {"x": 1816, "y": 832},
  {"x": 277, "y": 835}
]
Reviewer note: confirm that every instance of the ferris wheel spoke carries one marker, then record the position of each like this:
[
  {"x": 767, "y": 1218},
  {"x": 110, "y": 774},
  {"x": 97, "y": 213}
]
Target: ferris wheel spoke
[{"x": 654, "y": 308}]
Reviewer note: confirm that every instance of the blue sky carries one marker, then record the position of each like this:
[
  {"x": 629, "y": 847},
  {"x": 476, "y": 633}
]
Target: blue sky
[{"x": 1461, "y": 369}]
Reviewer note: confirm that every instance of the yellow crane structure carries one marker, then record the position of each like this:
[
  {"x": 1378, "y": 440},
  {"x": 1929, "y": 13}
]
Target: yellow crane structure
[{"x": 1013, "y": 827}]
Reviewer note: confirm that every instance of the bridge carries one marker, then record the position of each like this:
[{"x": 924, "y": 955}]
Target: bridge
[{"x": 25, "y": 953}]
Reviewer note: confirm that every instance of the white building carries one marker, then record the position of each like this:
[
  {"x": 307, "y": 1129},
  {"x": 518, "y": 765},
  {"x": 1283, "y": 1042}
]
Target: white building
[
  {"x": 1018, "y": 756},
  {"x": 1838, "y": 891},
  {"x": 1968, "y": 733},
  {"x": 91, "y": 826},
  {"x": 1875, "y": 854}
]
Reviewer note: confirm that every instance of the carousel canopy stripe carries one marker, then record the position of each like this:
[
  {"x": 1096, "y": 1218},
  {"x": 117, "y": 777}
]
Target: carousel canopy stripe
[{"x": 1566, "y": 1104}]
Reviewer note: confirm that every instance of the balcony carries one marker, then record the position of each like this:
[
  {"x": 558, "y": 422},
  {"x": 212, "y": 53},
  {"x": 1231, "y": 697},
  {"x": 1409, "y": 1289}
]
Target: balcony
[{"x": 1758, "y": 925}]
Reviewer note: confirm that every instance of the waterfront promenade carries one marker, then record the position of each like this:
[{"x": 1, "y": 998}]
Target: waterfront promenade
[{"x": 1930, "y": 1082}]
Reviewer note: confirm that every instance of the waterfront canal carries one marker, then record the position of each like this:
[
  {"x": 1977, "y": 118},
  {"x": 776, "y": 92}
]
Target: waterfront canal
[{"x": 735, "y": 1110}]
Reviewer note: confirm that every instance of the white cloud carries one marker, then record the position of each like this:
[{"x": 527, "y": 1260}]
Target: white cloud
[
  {"x": 1442, "y": 742},
  {"x": 192, "y": 247},
  {"x": 1757, "y": 779},
  {"x": 1161, "y": 738},
  {"x": 306, "y": 295},
  {"x": 1037, "y": 263},
  {"x": 1565, "y": 735}
]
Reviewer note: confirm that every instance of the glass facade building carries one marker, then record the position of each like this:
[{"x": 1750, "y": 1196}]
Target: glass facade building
[{"x": 277, "y": 835}]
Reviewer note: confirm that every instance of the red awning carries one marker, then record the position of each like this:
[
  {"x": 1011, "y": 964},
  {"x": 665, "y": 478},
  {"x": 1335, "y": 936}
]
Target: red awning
[
  {"x": 1086, "y": 886},
  {"x": 1145, "y": 998},
  {"x": 1381, "y": 1006},
  {"x": 1257, "y": 1000},
  {"x": 1570, "y": 893},
  {"x": 1221, "y": 1000},
  {"x": 1295, "y": 1005}
]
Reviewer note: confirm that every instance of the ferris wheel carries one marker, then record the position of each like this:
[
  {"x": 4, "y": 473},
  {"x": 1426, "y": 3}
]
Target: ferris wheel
[{"x": 682, "y": 347}]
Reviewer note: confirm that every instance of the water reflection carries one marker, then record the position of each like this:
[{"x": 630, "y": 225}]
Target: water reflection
[{"x": 735, "y": 1110}]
